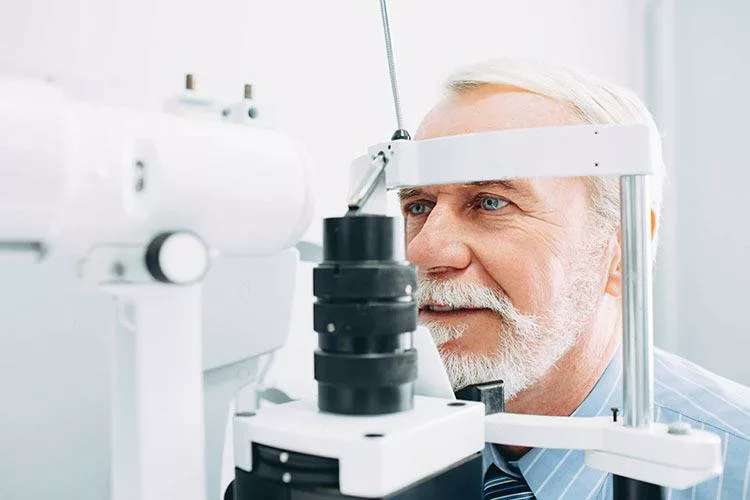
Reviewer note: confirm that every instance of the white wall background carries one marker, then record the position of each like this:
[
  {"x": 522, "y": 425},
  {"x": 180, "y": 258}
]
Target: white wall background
[
  {"x": 699, "y": 87},
  {"x": 321, "y": 63}
]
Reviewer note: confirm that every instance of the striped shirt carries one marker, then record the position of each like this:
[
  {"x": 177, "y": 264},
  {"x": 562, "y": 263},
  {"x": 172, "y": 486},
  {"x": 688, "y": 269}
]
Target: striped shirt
[{"x": 682, "y": 391}]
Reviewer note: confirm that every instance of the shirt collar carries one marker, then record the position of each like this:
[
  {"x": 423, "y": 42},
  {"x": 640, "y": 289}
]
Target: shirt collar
[{"x": 554, "y": 473}]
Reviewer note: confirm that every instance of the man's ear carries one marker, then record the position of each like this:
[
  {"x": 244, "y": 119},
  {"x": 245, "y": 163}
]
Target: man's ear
[
  {"x": 614, "y": 271},
  {"x": 613, "y": 286}
]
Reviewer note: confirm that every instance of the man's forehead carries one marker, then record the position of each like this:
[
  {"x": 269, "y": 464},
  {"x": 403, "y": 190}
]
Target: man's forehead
[
  {"x": 488, "y": 108},
  {"x": 508, "y": 185},
  {"x": 494, "y": 107}
]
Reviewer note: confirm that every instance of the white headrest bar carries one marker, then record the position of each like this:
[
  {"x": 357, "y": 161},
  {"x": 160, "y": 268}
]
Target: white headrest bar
[{"x": 565, "y": 151}]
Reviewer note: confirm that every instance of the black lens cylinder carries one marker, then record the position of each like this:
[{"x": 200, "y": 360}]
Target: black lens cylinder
[{"x": 364, "y": 315}]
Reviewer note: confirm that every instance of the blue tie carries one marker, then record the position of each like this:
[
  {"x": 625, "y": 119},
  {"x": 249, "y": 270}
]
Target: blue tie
[{"x": 500, "y": 486}]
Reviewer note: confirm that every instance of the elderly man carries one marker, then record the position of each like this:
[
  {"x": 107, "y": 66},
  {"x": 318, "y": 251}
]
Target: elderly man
[{"x": 522, "y": 281}]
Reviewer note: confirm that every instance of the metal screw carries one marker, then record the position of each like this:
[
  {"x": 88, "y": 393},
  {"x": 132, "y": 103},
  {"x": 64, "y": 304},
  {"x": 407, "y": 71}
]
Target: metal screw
[
  {"x": 331, "y": 328},
  {"x": 284, "y": 457},
  {"x": 286, "y": 477},
  {"x": 248, "y": 91},
  {"x": 189, "y": 82},
  {"x": 596, "y": 164},
  {"x": 615, "y": 411},
  {"x": 118, "y": 269},
  {"x": 245, "y": 414},
  {"x": 679, "y": 428},
  {"x": 457, "y": 403},
  {"x": 408, "y": 289},
  {"x": 374, "y": 435}
]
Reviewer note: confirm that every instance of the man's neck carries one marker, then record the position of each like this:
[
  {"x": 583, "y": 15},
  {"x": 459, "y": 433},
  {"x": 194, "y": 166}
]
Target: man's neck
[{"x": 564, "y": 387}]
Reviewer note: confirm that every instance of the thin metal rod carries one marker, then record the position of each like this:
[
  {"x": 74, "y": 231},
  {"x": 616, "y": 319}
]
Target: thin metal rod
[
  {"x": 367, "y": 185},
  {"x": 391, "y": 62},
  {"x": 637, "y": 302}
]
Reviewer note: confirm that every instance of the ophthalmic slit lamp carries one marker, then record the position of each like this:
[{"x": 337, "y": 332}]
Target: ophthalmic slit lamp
[
  {"x": 416, "y": 447},
  {"x": 148, "y": 204}
]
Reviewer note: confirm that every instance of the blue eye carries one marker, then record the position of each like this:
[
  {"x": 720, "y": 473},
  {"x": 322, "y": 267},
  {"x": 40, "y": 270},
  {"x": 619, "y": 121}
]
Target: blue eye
[
  {"x": 418, "y": 209},
  {"x": 491, "y": 203}
]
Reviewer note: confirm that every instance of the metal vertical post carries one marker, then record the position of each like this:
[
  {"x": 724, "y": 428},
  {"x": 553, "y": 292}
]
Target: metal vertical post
[
  {"x": 637, "y": 322},
  {"x": 637, "y": 301}
]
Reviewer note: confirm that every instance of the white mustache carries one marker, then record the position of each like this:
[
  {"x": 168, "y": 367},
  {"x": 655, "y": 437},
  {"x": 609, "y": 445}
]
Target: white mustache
[{"x": 457, "y": 294}]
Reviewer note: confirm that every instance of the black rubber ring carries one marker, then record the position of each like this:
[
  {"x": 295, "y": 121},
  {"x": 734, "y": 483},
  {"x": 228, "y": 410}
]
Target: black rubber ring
[{"x": 368, "y": 370}]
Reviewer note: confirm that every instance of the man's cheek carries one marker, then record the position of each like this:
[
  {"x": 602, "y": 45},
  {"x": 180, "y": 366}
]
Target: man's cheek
[{"x": 526, "y": 279}]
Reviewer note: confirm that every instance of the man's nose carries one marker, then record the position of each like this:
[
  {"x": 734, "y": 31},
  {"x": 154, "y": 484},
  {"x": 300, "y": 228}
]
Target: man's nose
[{"x": 440, "y": 246}]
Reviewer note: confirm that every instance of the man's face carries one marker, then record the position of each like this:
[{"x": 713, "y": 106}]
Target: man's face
[{"x": 510, "y": 273}]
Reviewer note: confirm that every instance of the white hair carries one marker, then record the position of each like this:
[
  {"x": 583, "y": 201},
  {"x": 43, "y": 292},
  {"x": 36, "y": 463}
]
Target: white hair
[{"x": 593, "y": 100}]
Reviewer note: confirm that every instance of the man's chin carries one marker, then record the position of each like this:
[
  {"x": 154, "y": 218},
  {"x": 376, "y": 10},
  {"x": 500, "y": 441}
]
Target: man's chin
[
  {"x": 463, "y": 346},
  {"x": 442, "y": 333},
  {"x": 453, "y": 347}
]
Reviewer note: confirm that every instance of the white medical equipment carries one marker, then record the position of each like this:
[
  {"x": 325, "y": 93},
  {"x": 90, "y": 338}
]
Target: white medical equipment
[
  {"x": 433, "y": 450},
  {"x": 146, "y": 201}
]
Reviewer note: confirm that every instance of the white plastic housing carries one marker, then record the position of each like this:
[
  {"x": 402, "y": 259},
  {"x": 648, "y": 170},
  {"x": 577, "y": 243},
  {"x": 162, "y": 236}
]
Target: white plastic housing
[
  {"x": 563, "y": 151},
  {"x": 74, "y": 175},
  {"x": 650, "y": 454},
  {"x": 414, "y": 444},
  {"x": 32, "y": 158}
]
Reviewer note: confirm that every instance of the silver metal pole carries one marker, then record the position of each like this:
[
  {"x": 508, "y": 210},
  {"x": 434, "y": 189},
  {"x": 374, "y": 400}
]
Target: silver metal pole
[
  {"x": 637, "y": 302},
  {"x": 391, "y": 62},
  {"x": 367, "y": 185}
]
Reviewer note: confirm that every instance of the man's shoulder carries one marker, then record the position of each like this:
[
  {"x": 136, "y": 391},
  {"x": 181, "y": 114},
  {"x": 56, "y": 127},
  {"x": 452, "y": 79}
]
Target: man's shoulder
[
  {"x": 685, "y": 391},
  {"x": 692, "y": 392}
]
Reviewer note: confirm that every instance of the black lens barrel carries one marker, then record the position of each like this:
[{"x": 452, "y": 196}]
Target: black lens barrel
[{"x": 364, "y": 315}]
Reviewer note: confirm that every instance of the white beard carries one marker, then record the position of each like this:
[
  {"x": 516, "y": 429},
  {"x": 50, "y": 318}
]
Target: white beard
[{"x": 527, "y": 347}]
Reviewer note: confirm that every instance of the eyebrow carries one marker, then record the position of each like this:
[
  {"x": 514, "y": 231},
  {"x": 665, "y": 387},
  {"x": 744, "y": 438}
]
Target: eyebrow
[{"x": 509, "y": 185}]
